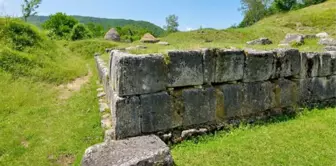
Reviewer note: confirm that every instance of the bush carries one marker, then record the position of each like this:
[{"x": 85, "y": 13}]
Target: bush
[
  {"x": 79, "y": 32},
  {"x": 18, "y": 35},
  {"x": 60, "y": 25}
]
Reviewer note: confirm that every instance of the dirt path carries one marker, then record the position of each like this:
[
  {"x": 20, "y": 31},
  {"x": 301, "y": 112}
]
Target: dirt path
[{"x": 66, "y": 90}]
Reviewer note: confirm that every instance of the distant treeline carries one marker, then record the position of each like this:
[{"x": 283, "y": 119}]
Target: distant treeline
[
  {"x": 255, "y": 10},
  {"x": 129, "y": 30}
]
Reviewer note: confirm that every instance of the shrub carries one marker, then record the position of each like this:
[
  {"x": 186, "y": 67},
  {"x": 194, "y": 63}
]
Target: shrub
[
  {"x": 79, "y": 32},
  {"x": 18, "y": 35},
  {"x": 60, "y": 25}
]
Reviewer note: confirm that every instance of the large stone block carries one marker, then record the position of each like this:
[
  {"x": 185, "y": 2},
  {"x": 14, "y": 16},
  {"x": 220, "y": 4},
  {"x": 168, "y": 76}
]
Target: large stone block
[
  {"x": 199, "y": 106},
  {"x": 233, "y": 95},
  {"x": 310, "y": 64},
  {"x": 285, "y": 93},
  {"x": 316, "y": 90},
  {"x": 156, "y": 112},
  {"x": 258, "y": 96},
  {"x": 136, "y": 151},
  {"x": 304, "y": 87},
  {"x": 288, "y": 63},
  {"x": 185, "y": 68},
  {"x": 319, "y": 87},
  {"x": 209, "y": 61},
  {"x": 125, "y": 116},
  {"x": 137, "y": 74},
  {"x": 331, "y": 87},
  {"x": 325, "y": 66},
  {"x": 229, "y": 65},
  {"x": 322, "y": 88},
  {"x": 333, "y": 61},
  {"x": 259, "y": 66}
]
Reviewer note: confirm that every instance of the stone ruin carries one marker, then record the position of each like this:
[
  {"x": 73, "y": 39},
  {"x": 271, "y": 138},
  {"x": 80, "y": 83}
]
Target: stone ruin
[{"x": 184, "y": 93}]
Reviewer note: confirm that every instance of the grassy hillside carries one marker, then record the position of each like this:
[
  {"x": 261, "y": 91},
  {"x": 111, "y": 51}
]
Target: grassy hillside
[
  {"x": 38, "y": 126},
  {"x": 106, "y": 23},
  {"x": 310, "y": 20}
]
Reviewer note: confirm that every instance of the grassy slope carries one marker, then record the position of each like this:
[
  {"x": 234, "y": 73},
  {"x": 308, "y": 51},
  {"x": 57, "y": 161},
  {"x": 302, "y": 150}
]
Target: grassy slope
[
  {"x": 306, "y": 140},
  {"x": 36, "y": 127},
  {"x": 310, "y": 20}
]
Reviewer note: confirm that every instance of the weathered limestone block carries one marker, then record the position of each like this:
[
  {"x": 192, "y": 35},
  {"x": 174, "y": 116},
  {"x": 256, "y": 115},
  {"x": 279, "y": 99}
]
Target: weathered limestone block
[
  {"x": 125, "y": 116},
  {"x": 156, "y": 112},
  {"x": 333, "y": 62},
  {"x": 288, "y": 63},
  {"x": 229, "y": 65},
  {"x": 258, "y": 96},
  {"x": 209, "y": 61},
  {"x": 310, "y": 62},
  {"x": 331, "y": 87},
  {"x": 259, "y": 66},
  {"x": 318, "y": 88},
  {"x": 136, "y": 151},
  {"x": 233, "y": 98},
  {"x": 199, "y": 106},
  {"x": 137, "y": 74},
  {"x": 285, "y": 93},
  {"x": 185, "y": 68},
  {"x": 325, "y": 65},
  {"x": 304, "y": 87},
  {"x": 315, "y": 90}
]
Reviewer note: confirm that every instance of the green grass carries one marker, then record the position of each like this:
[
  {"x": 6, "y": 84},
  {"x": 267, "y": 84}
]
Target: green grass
[
  {"x": 36, "y": 126},
  {"x": 32, "y": 114},
  {"x": 309, "y": 139}
]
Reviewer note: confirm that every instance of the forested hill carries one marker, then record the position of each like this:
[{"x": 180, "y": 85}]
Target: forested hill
[{"x": 106, "y": 23}]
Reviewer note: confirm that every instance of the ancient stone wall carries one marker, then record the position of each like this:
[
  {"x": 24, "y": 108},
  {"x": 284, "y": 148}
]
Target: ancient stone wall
[{"x": 191, "y": 89}]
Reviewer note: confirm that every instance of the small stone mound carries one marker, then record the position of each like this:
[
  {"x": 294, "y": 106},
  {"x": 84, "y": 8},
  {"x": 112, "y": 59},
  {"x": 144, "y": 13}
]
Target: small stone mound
[
  {"x": 136, "y": 151},
  {"x": 149, "y": 38},
  {"x": 138, "y": 47},
  {"x": 327, "y": 41},
  {"x": 113, "y": 35},
  {"x": 163, "y": 43},
  {"x": 330, "y": 48},
  {"x": 290, "y": 38},
  {"x": 261, "y": 41},
  {"x": 322, "y": 35}
]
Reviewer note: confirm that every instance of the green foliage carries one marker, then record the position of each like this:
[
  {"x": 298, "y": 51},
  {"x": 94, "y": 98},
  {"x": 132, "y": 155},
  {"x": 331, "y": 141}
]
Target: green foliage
[
  {"x": 96, "y": 29},
  {"x": 254, "y": 10},
  {"x": 29, "y": 8},
  {"x": 172, "y": 23},
  {"x": 130, "y": 33},
  {"x": 60, "y": 25},
  {"x": 107, "y": 23},
  {"x": 283, "y": 5},
  {"x": 18, "y": 35},
  {"x": 79, "y": 32}
]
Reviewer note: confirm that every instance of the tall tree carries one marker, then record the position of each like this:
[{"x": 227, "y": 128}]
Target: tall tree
[
  {"x": 172, "y": 23},
  {"x": 29, "y": 8},
  {"x": 60, "y": 25},
  {"x": 284, "y": 5},
  {"x": 253, "y": 10}
]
